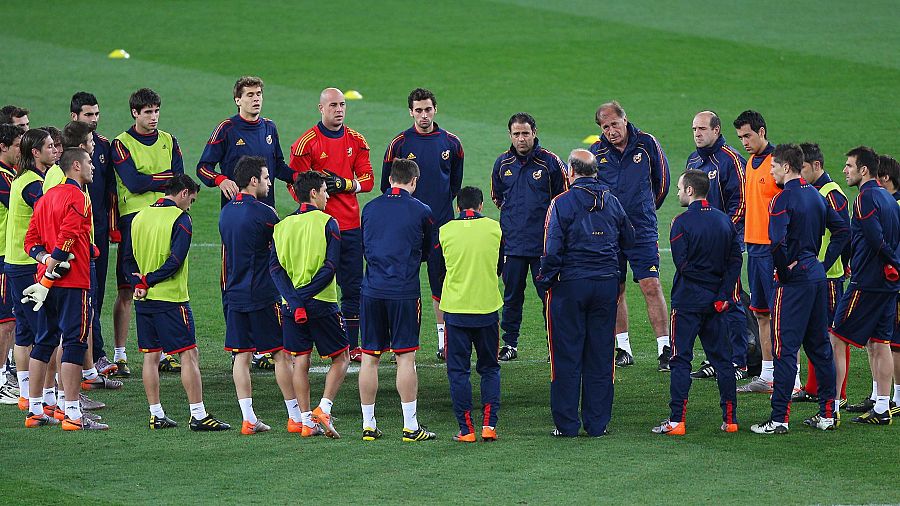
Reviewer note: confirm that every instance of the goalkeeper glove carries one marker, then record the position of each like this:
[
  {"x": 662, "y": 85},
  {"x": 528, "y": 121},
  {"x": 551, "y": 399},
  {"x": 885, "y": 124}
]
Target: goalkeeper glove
[
  {"x": 337, "y": 184},
  {"x": 37, "y": 293}
]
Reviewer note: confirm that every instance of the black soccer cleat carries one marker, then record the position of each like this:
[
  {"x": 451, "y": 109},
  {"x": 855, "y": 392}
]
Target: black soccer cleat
[
  {"x": 664, "y": 359},
  {"x": 706, "y": 370},
  {"x": 508, "y": 353},
  {"x": 866, "y": 405},
  {"x": 420, "y": 434},
  {"x": 161, "y": 422},
  {"x": 623, "y": 358},
  {"x": 873, "y": 418},
  {"x": 370, "y": 434},
  {"x": 804, "y": 396},
  {"x": 208, "y": 424}
]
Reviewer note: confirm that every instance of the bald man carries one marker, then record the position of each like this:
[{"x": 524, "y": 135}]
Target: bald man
[{"x": 341, "y": 154}]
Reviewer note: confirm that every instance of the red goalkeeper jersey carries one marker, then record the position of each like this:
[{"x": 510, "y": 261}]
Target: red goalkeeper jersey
[{"x": 344, "y": 153}]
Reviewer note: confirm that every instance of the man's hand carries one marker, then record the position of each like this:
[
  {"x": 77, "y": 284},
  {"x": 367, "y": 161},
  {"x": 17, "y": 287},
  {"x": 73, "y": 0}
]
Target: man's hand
[
  {"x": 229, "y": 188},
  {"x": 140, "y": 293},
  {"x": 37, "y": 293},
  {"x": 55, "y": 268},
  {"x": 338, "y": 184}
]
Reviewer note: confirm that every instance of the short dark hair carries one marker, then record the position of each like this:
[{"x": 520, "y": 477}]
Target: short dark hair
[
  {"x": 246, "y": 82},
  {"x": 865, "y": 156},
  {"x": 696, "y": 179},
  {"x": 522, "y": 118},
  {"x": 247, "y": 168},
  {"x": 888, "y": 166},
  {"x": 421, "y": 94},
  {"x": 32, "y": 139},
  {"x": 72, "y": 155},
  {"x": 305, "y": 182},
  {"x": 791, "y": 154},
  {"x": 8, "y": 112},
  {"x": 8, "y": 134},
  {"x": 812, "y": 153},
  {"x": 75, "y": 133},
  {"x": 581, "y": 168},
  {"x": 614, "y": 105},
  {"x": 144, "y": 97},
  {"x": 403, "y": 171},
  {"x": 752, "y": 118},
  {"x": 55, "y": 133},
  {"x": 81, "y": 99},
  {"x": 181, "y": 182},
  {"x": 469, "y": 197}
]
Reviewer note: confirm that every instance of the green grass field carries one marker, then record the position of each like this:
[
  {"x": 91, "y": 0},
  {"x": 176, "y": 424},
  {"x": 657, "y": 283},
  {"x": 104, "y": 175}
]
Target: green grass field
[{"x": 817, "y": 71}]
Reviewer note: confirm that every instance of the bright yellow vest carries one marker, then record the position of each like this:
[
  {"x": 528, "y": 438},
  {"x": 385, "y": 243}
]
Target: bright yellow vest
[
  {"x": 837, "y": 268},
  {"x": 471, "y": 250},
  {"x": 151, "y": 241},
  {"x": 301, "y": 245},
  {"x": 18, "y": 219},
  {"x": 4, "y": 212},
  {"x": 55, "y": 177},
  {"x": 149, "y": 160}
]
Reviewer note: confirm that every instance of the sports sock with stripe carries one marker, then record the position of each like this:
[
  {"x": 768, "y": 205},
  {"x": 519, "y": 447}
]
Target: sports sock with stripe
[
  {"x": 897, "y": 394},
  {"x": 368, "y": 413},
  {"x": 50, "y": 396},
  {"x": 623, "y": 343},
  {"x": 768, "y": 371},
  {"x": 306, "y": 418},
  {"x": 881, "y": 403},
  {"x": 157, "y": 411},
  {"x": 293, "y": 409},
  {"x": 247, "y": 409},
  {"x": 440, "y": 335},
  {"x": 35, "y": 406},
  {"x": 120, "y": 354},
  {"x": 325, "y": 405},
  {"x": 661, "y": 342},
  {"x": 24, "y": 383},
  {"x": 874, "y": 391},
  {"x": 73, "y": 410},
  {"x": 198, "y": 411},
  {"x": 409, "y": 415},
  {"x": 89, "y": 374}
]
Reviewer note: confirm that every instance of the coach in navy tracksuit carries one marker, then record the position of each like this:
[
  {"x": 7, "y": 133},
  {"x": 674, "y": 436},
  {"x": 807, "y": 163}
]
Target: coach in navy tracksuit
[
  {"x": 586, "y": 229},
  {"x": 634, "y": 167},
  {"x": 797, "y": 220},
  {"x": 524, "y": 180},
  {"x": 706, "y": 251},
  {"x": 725, "y": 169}
]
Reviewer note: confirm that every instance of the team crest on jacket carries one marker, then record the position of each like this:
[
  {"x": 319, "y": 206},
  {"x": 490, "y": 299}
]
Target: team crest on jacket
[
  {"x": 323, "y": 155},
  {"x": 537, "y": 174},
  {"x": 712, "y": 174},
  {"x": 507, "y": 173},
  {"x": 102, "y": 158},
  {"x": 240, "y": 142},
  {"x": 445, "y": 154},
  {"x": 637, "y": 157},
  {"x": 269, "y": 139},
  {"x": 602, "y": 160},
  {"x": 350, "y": 151},
  {"x": 411, "y": 156}
]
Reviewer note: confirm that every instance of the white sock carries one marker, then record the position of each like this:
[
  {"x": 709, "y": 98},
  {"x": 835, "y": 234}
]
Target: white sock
[
  {"x": 623, "y": 343},
  {"x": 797, "y": 383},
  {"x": 881, "y": 403},
  {"x": 661, "y": 342},
  {"x": 293, "y": 409},
  {"x": 2, "y": 376},
  {"x": 35, "y": 405},
  {"x": 440, "y": 334},
  {"x": 157, "y": 411},
  {"x": 247, "y": 409},
  {"x": 50, "y": 396},
  {"x": 409, "y": 415},
  {"x": 768, "y": 371},
  {"x": 258, "y": 355},
  {"x": 306, "y": 418},
  {"x": 325, "y": 405},
  {"x": 89, "y": 374},
  {"x": 837, "y": 406},
  {"x": 73, "y": 410},
  {"x": 368, "y": 412},
  {"x": 24, "y": 383},
  {"x": 897, "y": 394},
  {"x": 198, "y": 411},
  {"x": 120, "y": 354},
  {"x": 874, "y": 390},
  {"x": 61, "y": 397}
]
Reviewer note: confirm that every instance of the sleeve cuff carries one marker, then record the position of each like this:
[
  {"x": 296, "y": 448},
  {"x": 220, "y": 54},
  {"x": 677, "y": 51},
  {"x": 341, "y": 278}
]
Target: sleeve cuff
[
  {"x": 218, "y": 180},
  {"x": 36, "y": 252},
  {"x": 60, "y": 255}
]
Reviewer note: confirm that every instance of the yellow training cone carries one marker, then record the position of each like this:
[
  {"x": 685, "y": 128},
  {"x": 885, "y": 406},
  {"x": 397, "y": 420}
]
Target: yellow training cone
[
  {"x": 119, "y": 54},
  {"x": 353, "y": 95},
  {"x": 590, "y": 139}
]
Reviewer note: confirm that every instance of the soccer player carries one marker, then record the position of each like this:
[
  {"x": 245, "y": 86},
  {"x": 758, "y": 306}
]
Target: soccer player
[
  {"x": 14, "y": 115},
  {"x": 759, "y": 190},
  {"x": 252, "y": 318},
  {"x": 439, "y": 155},
  {"x": 813, "y": 171},
  {"x": 889, "y": 176},
  {"x": 342, "y": 154},
  {"x": 586, "y": 230},
  {"x": 867, "y": 311},
  {"x": 37, "y": 155},
  {"x": 156, "y": 257},
  {"x": 398, "y": 235},
  {"x": 470, "y": 245},
  {"x": 634, "y": 167},
  {"x": 706, "y": 252},
  {"x": 306, "y": 248},
  {"x": 524, "y": 180},
  {"x": 798, "y": 217},
  {"x": 725, "y": 169},
  {"x": 145, "y": 159},
  {"x": 59, "y": 237},
  {"x": 10, "y": 137}
]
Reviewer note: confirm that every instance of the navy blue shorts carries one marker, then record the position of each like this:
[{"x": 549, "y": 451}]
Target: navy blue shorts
[
  {"x": 26, "y": 318},
  {"x": 863, "y": 316},
  {"x": 125, "y": 229},
  {"x": 65, "y": 316},
  {"x": 390, "y": 325},
  {"x": 327, "y": 333},
  {"x": 437, "y": 269},
  {"x": 643, "y": 258},
  {"x": 258, "y": 331},
  {"x": 168, "y": 331},
  {"x": 895, "y": 337},
  {"x": 6, "y": 299},
  {"x": 760, "y": 277}
]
